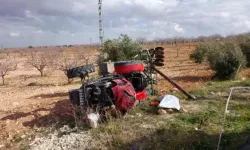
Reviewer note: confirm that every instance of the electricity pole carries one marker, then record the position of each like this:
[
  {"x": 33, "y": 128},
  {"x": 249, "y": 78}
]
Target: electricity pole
[
  {"x": 90, "y": 41},
  {"x": 101, "y": 32}
]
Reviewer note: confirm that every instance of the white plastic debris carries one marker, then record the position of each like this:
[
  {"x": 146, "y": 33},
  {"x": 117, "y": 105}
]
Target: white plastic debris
[
  {"x": 93, "y": 119},
  {"x": 169, "y": 101}
]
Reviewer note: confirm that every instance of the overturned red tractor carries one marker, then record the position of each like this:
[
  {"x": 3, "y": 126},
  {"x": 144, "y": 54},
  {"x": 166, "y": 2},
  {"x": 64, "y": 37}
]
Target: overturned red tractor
[
  {"x": 121, "y": 86},
  {"x": 121, "y": 89}
]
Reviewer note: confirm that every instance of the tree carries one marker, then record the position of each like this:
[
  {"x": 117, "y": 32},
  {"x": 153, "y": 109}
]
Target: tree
[
  {"x": 21, "y": 52},
  {"x": 226, "y": 59},
  {"x": 6, "y": 65},
  {"x": 66, "y": 60},
  {"x": 123, "y": 48},
  {"x": 244, "y": 43},
  {"x": 141, "y": 40},
  {"x": 41, "y": 60},
  {"x": 199, "y": 55}
]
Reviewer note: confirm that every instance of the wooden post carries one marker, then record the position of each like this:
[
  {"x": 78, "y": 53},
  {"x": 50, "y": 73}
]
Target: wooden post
[
  {"x": 177, "y": 55},
  {"x": 174, "y": 84}
]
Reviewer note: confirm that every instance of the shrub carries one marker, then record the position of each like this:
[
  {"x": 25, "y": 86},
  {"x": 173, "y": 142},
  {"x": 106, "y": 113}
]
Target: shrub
[
  {"x": 123, "y": 48},
  {"x": 245, "y": 47},
  {"x": 225, "y": 58},
  {"x": 199, "y": 55}
]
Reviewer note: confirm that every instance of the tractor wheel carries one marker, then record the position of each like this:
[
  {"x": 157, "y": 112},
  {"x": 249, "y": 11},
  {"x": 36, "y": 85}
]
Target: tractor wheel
[{"x": 125, "y": 67}]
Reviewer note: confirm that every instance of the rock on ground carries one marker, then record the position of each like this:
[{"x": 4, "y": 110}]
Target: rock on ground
[{"x": 72, "y": 141}]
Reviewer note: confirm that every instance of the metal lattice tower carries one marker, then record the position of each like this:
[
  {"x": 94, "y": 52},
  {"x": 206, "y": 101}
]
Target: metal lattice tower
[{"x": 101, "y": 32}]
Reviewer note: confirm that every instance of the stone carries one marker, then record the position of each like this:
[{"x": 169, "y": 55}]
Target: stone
[
  {"x": 138, "y": 114},
  {"x": 174, "y": 90},
  {"x": 7, "y": 121},
  {"x": 183, "y": 110},
  {"x": 44, "y": 113},
  {"x": 162, "y": 112},
  {"x": 148, "y": 126},
  {"x": 65, "y": 129},
  {"x": 170, "y": 110},
  {"x": 15, "y": 104},
  {"x": 10, "y": 138},
  {"x": 129, "y": 116}
]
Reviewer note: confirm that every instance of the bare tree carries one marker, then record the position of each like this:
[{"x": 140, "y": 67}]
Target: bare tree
[
  {"x": 6, "y": 65},
  {"x": 21, "y": 52},
  {"x": 141, "y": 40},
  {"x": 41, "y": 60},
  {"x": 66, "y": 60}
]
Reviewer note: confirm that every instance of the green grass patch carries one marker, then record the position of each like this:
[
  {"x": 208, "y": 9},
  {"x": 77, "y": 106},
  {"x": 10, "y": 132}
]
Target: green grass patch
[{"x": 193, "y": 130}]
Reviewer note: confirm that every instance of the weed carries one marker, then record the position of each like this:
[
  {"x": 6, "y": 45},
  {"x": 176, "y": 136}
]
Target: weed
[
  {"x": 24, "y": 146},
  {"x": 202, "y": 92},
  {"x": 18, "y": 139}
]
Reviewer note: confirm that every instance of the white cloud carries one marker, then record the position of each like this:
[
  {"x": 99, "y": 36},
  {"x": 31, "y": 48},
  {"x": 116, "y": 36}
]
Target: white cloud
[
  {"x": 64, "y": 32},
  {"x": 242, "y": 24},
  {"x": 74, "y": 21},
  {"x": 14, "y": 34},
  {"x": 39, "y": 32},
  {"x": 28, "y": 14},
  {"x": 128, "y": 2},
  {"x": 79, "y": 6},
  {"x": 224, "y": 14},
  {"x": 178, "y": 29}
]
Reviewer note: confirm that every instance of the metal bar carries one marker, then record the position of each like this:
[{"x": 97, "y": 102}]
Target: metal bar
[
  {"x": 101, "y": 31},
  {"x": 225, "y": 113},
  {"x": 174, "y": 84}
]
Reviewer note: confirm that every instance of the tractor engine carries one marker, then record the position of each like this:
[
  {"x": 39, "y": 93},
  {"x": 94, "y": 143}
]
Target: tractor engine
[{"x": 122, "y": 89}]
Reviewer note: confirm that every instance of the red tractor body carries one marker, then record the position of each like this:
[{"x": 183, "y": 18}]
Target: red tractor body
[
  {"x": 121, "y": 89},
  {"x": 124, "y": 95},
  {"x": 136, "y": 68}
]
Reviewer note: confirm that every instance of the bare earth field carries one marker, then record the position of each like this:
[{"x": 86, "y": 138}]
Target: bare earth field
[{"x": 29, "y": 102}]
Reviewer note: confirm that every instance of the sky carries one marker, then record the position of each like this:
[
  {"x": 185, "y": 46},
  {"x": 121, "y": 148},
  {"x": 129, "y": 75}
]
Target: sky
[{"x": 61, "y": 22}]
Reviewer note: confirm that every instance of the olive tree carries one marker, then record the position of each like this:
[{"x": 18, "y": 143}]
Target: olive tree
[{"x": 123, "y": 48}]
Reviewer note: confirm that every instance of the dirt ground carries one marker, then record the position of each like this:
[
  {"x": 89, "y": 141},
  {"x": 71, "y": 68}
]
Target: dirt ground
[{"x": 29, "y": 102}]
